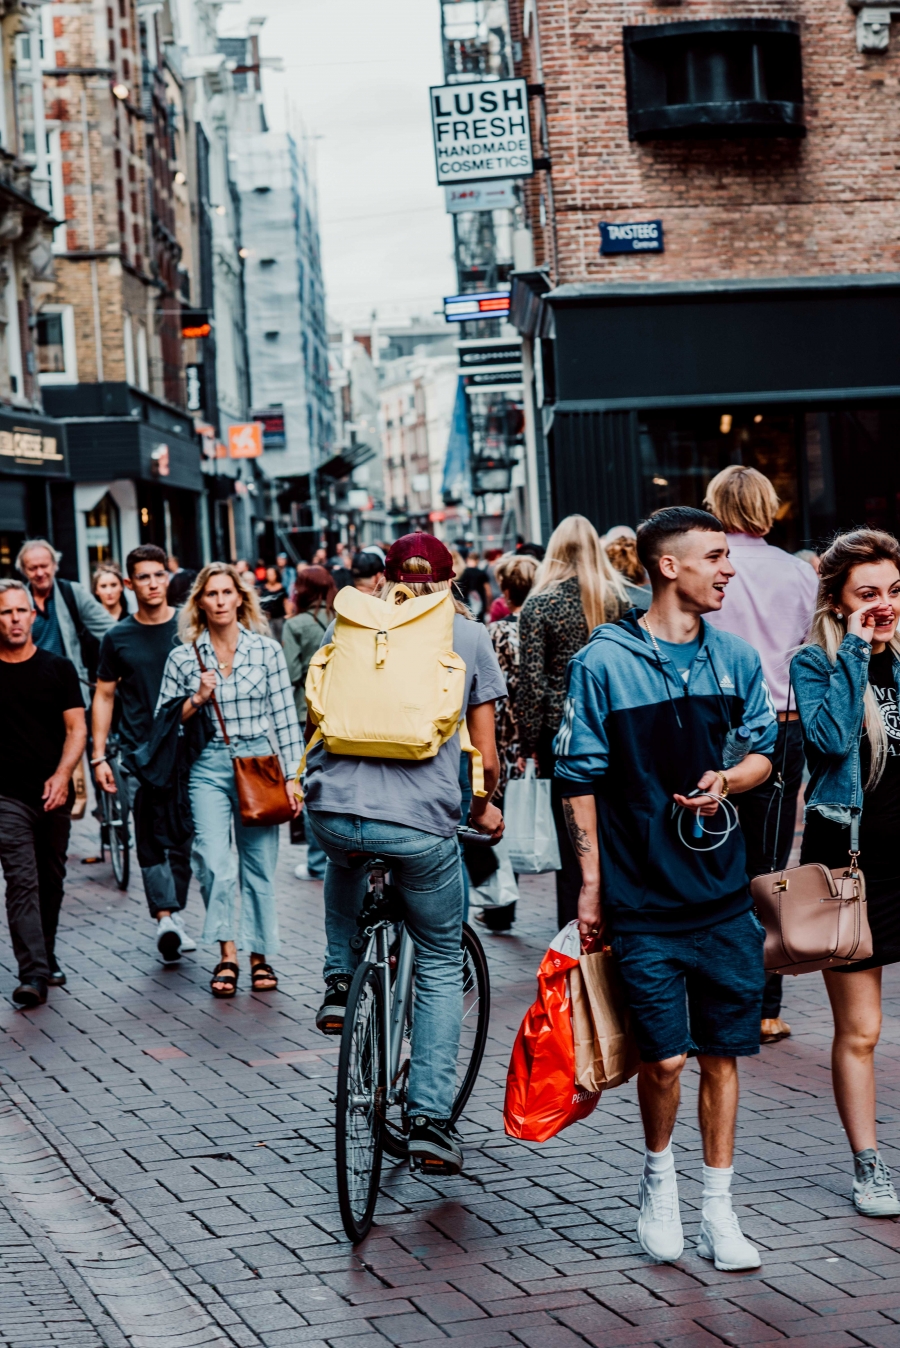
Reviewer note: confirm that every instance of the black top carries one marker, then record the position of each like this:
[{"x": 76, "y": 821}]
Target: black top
[
  {"x": 272, "y": 601},
  {"x": 33, "y": 696},
  {"x": 881, "y": 806},
  {"x": 135, "y": 654}
]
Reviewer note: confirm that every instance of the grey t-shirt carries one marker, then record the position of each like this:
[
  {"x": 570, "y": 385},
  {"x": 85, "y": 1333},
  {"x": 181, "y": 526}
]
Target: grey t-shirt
[{"x": 423, "y": 795}]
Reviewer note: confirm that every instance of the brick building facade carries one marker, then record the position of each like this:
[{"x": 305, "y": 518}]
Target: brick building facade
[{"x": 764, "y": 136}]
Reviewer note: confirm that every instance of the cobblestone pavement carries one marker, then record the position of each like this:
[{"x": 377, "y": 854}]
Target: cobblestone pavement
[{"x": 166, "y": 1173}]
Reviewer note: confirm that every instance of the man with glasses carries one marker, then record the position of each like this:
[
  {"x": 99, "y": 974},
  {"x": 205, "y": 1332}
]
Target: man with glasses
[{"x": 133, "y": 655}]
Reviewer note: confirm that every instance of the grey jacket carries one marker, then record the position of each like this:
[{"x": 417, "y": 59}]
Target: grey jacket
[
  {"x": 830, "y": 702},
  {"x": 92, "y": 614}
]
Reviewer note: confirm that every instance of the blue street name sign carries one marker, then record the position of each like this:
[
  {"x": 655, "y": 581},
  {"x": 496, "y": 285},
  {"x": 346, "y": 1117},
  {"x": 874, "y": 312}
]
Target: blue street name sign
[{"x": 644, "y": 237}]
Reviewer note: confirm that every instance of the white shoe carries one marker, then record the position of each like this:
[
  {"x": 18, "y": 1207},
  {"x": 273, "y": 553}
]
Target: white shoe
[
  {"x": 168, "y": 940},
  {"x": 723, "y": 1241},
  {"x": 874, "y": 1194},
  {"x": 302, "y": 873},
  {"x": 659, "y": 1224},
  {"x": 188, "y": 944}
]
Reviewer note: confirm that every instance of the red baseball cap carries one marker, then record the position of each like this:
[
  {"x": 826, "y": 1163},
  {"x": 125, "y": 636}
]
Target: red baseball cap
[{"x": 418, "y": 545}]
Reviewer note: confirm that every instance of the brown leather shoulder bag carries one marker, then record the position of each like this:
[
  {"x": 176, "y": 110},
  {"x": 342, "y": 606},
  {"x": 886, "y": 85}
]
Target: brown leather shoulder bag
[
  {"x": 814, "y": 918},
  {"x": 261, "y": 789}
]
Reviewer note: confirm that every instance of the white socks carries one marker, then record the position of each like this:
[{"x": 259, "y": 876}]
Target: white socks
[
  {"x": 659, "y": 1166},
  {"x": 716, "y": 1189}
]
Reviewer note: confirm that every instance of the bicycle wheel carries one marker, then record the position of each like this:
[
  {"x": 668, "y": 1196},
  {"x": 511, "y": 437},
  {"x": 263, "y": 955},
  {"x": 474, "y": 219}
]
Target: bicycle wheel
[
  {"x": 360, "y": 1103},
  {"x": 115, "y": 817},
  {"x": 472, "y": 1039}
]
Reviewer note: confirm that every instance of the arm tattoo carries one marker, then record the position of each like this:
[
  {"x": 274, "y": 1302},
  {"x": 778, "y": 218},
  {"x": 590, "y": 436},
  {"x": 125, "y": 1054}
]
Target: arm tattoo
[{"x": 580, "y": 840}]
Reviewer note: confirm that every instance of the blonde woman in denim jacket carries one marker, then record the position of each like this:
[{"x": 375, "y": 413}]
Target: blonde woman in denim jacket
[{"x": 846, "y": 683}]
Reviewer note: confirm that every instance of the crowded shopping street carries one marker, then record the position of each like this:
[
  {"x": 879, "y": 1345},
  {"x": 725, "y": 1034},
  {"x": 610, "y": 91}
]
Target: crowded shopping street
[{"x": 167, "y": 1172}]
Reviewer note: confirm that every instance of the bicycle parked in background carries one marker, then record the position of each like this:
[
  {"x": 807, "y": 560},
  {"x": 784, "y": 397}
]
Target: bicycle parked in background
[{"x": 112, "y": 808}]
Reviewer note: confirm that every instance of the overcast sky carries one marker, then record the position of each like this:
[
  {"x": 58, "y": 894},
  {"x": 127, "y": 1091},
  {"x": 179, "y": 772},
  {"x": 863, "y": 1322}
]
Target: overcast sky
[{"x": 357, "y": 74}]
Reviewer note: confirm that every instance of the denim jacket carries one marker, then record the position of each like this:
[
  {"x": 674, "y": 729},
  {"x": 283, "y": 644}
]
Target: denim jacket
[{"x": 830, "y": 702}]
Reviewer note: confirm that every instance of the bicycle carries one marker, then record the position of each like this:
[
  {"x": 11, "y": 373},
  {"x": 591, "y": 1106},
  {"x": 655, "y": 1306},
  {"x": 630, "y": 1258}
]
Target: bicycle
[
  {"x": 113, "y": 809},
  {"x": 371, "y": 1115}
]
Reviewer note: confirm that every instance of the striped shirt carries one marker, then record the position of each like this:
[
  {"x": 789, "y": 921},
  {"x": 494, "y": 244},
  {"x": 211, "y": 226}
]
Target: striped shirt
[{"x": 257, "y": 689}]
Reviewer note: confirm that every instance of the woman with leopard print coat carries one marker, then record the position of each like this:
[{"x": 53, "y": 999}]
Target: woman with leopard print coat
[{"x": 575, "y": 589}]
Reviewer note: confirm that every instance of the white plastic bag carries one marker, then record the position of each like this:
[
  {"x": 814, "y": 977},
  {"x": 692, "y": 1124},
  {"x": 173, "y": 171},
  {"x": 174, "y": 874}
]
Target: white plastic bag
[
  {"x": 530, "y": 829},
  {"x": 500, "y": 888}
]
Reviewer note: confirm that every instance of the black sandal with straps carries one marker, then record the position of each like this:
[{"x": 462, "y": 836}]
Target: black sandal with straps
[
  {"x": 226, "y": 972},
  {"x": 266, "y": 972}
]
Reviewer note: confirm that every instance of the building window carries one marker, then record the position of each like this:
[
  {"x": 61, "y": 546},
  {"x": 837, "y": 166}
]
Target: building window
[
  {"x": 55, "y": 345},
  {"x": 714, "y": 78},
  {"x": 101, "y": 532}
]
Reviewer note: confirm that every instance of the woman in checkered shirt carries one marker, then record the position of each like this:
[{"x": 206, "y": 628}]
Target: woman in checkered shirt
[{"x": 247, "y": 672}]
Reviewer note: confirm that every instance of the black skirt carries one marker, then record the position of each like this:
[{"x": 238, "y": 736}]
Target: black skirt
[{"x": 879, "y": 859}]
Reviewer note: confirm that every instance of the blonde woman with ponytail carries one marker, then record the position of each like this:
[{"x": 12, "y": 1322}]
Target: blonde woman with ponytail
[
  {"x": 575, "y": 589},
  {"x": 846, "y": 682}
]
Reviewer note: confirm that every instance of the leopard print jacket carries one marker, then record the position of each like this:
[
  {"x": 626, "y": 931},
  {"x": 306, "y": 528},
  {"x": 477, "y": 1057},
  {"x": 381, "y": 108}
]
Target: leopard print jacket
[{"x": 552, "y": 628}]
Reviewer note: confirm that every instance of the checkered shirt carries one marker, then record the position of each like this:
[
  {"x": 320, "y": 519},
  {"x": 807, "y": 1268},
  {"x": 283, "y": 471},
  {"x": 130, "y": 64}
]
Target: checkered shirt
[{"x": 259, "y": 685}]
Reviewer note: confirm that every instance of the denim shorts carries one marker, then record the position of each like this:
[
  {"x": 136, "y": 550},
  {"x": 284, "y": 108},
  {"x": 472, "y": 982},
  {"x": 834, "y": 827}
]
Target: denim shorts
[{"x": 695, "y": 992}]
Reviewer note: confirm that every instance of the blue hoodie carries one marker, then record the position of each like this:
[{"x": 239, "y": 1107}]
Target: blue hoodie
[{"x": 633, "y": 733}]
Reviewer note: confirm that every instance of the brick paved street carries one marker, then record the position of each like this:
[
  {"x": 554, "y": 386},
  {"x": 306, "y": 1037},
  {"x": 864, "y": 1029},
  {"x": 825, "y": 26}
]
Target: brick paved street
[{"x": 166, "y": 1174}]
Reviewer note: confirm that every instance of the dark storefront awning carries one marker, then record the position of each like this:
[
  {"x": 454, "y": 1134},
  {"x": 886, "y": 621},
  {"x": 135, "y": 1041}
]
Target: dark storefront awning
[{"x": 784, "y": 339}]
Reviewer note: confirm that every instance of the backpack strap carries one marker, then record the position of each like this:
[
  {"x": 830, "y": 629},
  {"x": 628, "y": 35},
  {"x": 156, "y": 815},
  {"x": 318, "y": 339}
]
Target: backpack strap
[
  {"x": 301, "y": 767},
  {"x": 465, "y": 743},
  {"x": 71, "y": 604}
]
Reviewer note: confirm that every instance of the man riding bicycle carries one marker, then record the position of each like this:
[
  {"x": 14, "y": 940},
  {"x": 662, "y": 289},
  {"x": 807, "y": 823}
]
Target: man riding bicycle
[{"x": 407, "y": 812}]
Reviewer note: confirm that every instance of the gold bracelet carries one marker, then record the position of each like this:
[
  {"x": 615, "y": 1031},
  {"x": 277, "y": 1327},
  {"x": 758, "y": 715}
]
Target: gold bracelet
[{"x": 725, "y": 786}]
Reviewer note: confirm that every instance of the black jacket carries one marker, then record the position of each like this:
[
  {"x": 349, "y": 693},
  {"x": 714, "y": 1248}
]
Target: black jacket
[{"x": 162, "y": 807}]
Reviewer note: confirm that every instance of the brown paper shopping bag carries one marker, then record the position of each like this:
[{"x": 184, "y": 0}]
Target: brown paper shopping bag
[{"x": 613, "y": 1055}]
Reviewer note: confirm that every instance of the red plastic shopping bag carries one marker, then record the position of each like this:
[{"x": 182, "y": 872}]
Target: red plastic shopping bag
[{"x": 542, "y": 1097}]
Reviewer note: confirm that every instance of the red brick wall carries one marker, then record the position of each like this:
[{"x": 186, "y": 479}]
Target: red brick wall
[{"x": 824, "y": 204}]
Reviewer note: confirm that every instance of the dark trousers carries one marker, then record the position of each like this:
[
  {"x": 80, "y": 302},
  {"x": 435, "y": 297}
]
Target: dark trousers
[
  {"x": 33, "y": 847},
  {"x": 568, "y": 877},
  {"x": 758, "y": 811}
]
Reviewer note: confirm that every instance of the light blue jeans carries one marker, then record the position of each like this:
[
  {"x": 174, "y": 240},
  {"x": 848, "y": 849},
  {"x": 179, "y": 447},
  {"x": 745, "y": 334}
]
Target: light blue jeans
[
  {"x": 428, "y": 873},
  {"x": 217, "y": 817}
]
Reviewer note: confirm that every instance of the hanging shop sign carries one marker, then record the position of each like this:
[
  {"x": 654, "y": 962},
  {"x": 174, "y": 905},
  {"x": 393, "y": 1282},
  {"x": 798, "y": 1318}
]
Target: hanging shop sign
[
  {"x": 497, "y": 196},
  {"x": 195, "y": 385},
  {"x": 481, "y": 131},
  {"x": 493, "y": 381},
  {"x": 645, "y": 236},
  {"x": 480, "y": 304},
  {"x": 490, "y": 356},
  {"x": 245, "y": 440},
  {"x": 271, "y": 419}
]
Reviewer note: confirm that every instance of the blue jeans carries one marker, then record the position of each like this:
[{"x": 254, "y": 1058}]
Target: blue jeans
[
  {"x": 166, "y": 884},
  {"x": 214, "y": 805},
  {"x": 428, "y": 874}
]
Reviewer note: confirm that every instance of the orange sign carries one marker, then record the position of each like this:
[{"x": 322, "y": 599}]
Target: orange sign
[{"x": 245, "y": 440}]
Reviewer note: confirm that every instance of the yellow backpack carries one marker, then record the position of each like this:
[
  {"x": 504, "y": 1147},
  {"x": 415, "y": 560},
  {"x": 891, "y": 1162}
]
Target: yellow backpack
[{"x": 389, "y": 683}]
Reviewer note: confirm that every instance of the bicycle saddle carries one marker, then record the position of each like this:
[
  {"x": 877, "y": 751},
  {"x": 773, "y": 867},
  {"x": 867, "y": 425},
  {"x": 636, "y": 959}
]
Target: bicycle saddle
[{"x": 358, "y": 859}]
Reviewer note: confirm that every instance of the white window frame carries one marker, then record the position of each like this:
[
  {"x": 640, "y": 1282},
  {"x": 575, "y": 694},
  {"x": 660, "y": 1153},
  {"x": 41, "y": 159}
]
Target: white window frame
[
  {"x": 57, "y": 190},
  {"x": 70, "y": 374},
  {"x": 128, "y": 342},
  {"x": 143, "y": 359}
]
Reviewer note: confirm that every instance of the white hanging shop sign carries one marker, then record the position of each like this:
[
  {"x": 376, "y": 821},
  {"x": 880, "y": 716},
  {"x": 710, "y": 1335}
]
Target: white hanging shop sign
[{"x": 481, "y": 131}]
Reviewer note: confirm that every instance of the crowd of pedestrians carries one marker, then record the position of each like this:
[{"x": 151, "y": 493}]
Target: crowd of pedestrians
[{"x": 680, "y": 684}]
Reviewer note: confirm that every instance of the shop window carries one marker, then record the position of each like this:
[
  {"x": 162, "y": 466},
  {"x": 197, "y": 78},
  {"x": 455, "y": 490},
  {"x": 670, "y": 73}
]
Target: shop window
[
  {"x": 101, "y": 531},
  {"x": 55, "y": 345},
  {"x": 714, "y": 78},
  {"x": 681, "y": 452},
  {"x": 852, "y": 471}
]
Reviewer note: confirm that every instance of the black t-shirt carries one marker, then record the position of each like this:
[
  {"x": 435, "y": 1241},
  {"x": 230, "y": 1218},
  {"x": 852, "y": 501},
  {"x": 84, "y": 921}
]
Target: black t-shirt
[
  {"x": 33, "y": 696},
  {"x": 471, "y": 585},
  {"x": 135, "y": 654},
  {"x": 881, "y": 807}
]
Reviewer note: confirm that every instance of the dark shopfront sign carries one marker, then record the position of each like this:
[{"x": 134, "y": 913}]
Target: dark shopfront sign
[
  {"x": 38, "y": 448},
  {"x": 644, "y": 236}
]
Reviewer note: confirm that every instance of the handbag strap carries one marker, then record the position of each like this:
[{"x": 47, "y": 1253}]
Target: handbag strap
[
  {"x": 781, "y": 775},
  {"x": 213, "y": 699}
]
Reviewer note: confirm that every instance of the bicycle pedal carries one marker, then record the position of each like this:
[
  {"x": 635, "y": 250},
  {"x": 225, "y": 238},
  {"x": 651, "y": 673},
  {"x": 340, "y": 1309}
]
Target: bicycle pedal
[{"x": 430, "y": 1165}]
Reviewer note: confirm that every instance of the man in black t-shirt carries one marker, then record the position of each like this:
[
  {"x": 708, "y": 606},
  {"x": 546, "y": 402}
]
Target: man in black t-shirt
[
  {"x": 42, "y": 738},
  {"x": 133, "y": 655}
]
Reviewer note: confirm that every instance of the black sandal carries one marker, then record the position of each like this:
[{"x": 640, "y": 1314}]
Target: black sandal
[
  {"x": 222, "y": 973},
  {"x": 265, "y": 971}
]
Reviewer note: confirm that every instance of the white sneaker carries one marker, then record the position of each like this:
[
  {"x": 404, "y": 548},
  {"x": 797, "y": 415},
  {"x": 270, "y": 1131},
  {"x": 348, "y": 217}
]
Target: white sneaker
[
  {"x": 723, "y": 1241},
  {"x": 188, "y": 944},
  {"x": 873, "y": 1192},
  {"x": 659, "y": 1224},
  {"x": 168, "y": 940},
  {"x": 302, "y": 873}
]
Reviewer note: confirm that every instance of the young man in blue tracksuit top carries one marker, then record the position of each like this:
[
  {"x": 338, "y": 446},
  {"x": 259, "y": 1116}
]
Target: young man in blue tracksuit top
[{"x": 642, "y": 758}]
